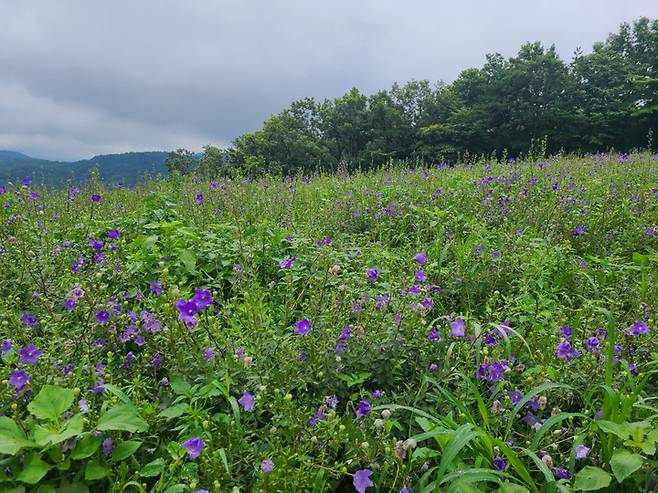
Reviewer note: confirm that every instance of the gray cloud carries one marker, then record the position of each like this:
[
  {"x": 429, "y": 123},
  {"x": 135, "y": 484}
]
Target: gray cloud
[{"x": 79, "y": 78}]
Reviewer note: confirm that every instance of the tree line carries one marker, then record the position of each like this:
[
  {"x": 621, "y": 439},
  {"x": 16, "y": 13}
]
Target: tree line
[{"x": 602, "y": 100}]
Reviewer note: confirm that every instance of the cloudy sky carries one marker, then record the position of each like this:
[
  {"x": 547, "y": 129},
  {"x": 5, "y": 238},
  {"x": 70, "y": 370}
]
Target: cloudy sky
[{"x": 84, "y": 77}]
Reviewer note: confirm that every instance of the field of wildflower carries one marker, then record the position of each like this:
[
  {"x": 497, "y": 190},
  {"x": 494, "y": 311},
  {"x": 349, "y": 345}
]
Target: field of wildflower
[{"x": 489, "y": 327}]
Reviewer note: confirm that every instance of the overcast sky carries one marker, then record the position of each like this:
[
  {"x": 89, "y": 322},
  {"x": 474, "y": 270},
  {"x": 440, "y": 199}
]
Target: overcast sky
[{"x": 85, "y": 77}]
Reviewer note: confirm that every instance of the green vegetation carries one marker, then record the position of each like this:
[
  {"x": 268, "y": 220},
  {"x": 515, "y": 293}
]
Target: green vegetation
[
  {"x": 601, "y": 100},
  {"x": 484, "y": 327}
]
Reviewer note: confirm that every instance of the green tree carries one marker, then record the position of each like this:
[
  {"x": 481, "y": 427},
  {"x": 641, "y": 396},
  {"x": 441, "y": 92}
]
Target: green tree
[{"x": 181, "y": 161}]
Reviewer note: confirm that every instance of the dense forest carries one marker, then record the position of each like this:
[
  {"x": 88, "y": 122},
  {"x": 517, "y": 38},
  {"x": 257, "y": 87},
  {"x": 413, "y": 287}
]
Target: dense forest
[{"x": 605, "y": 99}]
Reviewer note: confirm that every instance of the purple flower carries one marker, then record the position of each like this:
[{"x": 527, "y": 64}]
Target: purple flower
[
  {"x": 592, "y": 344},
  {"x": 458, "y": 327},
  {"x": 266, "y": 466},
  {"x": 581, "y": 452},
  {"x": 420, "y": 276},
  {"x": 199, "y": 197},
  {"x": 186, "y": 311},
  {"x": 69, "y": 304},
  {"x": 566, "y": 331},
  {"x": 434, "y": 367},
  {"x": 373, "y": 274},
  {"x": 29, "y": 320},
  {"x": 632, "y": 367},
  {"x": 6, "y": 346},
  {"x": 248, "y": 401},
  {"x": 362, "y": 480},
  {"x": 561, "y": 473},
  {"x": 208, "y": 354},
  {"x": 103, "y": 316},
  {"x": 18, "y": 379},
  {"x": 156, "y": 287},
  {"x": 113, "y": 234},
  {"x": 98, "y": 387},
  {"x": 363, "y": 408},
  {"x": 515, "y": 396},
  {"x": 202, "y": 298},
  {"x": 287, "y": 263},
  {"x": 107, "y": 446},
  {"x": 564, "y": 350},
  {"x": 83, "y": 405},
  {"x": 499, "y": 464},
  {"x": 29, "y": 354},
  {"x": 27, "y": 181},
  {"x": 302, "y": 327},
  {"x": 580, "y": 230},
  {"x": 377, "y": 394},
  {"x": 639, "y": 328},
  {"x": 194, "y": 447},
  {"x": 433, "y": 335},
  {"x": 96, "y": 198},
  {"x": 421, "y": 258}
]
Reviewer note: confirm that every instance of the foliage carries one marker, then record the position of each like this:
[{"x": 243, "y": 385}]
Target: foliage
[{"x": 482, "y": 327}]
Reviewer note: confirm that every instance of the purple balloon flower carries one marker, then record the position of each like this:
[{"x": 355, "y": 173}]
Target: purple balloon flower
[
  {"x": 458, "y": 327},
  {"x": 302, "y": 327},
  {"x": 362, "y": 480},
  {"x": 248, "y": 401},
  {"x": 194, "y": 447},
  {"x": 29, "y": 354}
]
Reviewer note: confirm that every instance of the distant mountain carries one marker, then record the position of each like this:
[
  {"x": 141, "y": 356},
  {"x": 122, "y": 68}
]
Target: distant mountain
[
  {"x": 11, "y": 155},
  {"x": 112, "y": 168}
]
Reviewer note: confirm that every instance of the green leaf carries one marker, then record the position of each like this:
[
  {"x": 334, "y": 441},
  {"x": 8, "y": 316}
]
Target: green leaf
[
  {"x": 34, "y": 469},
  {"x": 74, "y": 487},
  {"x": 12, "y": 438},
  {"x": 153, "y": 468},
  {"x": 51, "y": 402},
  {"x": 95, "y": 470},
  {"x": 86, "y": 447},
  {"x": 46, "y": 488},
  {"x": 621, "y": 430},
  {"x": 189, "y": 260},
  {"x": 174, "y": 411},
  {"x": 508, "y": 487},
  {"x": 625, "y": 463},
  {"x": 176, "y": 488},
  {"x": 179, "y": 385},
  {"x": 591, "y": 478},
  {"x": 123, "y": 417},
  {"x": 125, "y": 449},
  {"x": 46, "y": 436}
]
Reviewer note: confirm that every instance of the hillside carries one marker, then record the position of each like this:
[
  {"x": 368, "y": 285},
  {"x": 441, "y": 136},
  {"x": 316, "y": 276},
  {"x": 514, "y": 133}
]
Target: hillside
[{"x": 126, "y": 168}]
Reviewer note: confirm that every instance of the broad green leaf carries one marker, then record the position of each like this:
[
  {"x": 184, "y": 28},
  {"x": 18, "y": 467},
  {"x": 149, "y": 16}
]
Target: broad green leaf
[
  {"x": 591, "y": 478},
  {"x": 176, "y": 488},
  {"x": 621, "y": 430},
  {"x": 95, "y": 470},
  {"x": 125, "y": 449},
  {"x": 508, "y": 487},
  {"x": 174, "y": 411},
  {"x": 189, "y": 260},
  {"x": 34, "y": 469},
  {"x": 153, "y": 468},
  {"x": 179, "y": 385},
  {"x": 44, "y": 435},
  {"x": 86, "y": 447},
  {"x": 12, "y": 438},
  {"x": 46, "y": 488},
  {"x": 123, "y": 417},
  {"x": 74, "y": 487},
  {"x": 51, "y": 402},
  {"x": 624, "y": 463}
]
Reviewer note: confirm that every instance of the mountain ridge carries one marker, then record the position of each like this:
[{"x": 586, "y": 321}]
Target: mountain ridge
[{"x": 127, "y": 167}]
